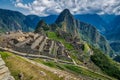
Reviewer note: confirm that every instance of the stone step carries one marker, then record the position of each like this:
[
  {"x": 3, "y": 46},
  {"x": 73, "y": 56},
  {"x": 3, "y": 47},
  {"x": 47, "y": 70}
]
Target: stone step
[
  {"x": 6, "y": 76},
  {"x": 37, "y": 42},
  {"x": 51, "y": 47},
  {"x": 42, "y": 44},
  {"x": 2, "y": 66},
  {"x": 36, "y": 36},
  {"x": 2, "y": 62},
  {"x": 61, "y": 49},
  {"x": 24, "y": 42},
  {"x": 4, "y": 70},
  {"x": 47, "y": 45},
  {"x": 55, "y": 49},
  {"x": 0, "y": 59}
]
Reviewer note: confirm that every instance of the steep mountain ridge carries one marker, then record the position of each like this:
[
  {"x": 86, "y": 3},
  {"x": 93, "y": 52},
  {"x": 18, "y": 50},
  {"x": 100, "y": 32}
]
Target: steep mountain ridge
[
  {"x": 68, "y": 44},
  {"x": 66, "y": 22},
  {"x": 13, "y": 21},
  {"x": 67, "y": 27},
  {"x": 93, "y": 19}
]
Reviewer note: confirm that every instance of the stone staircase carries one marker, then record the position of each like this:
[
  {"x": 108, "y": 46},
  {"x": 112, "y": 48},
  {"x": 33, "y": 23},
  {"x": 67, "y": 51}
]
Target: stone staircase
[{"x": 4, "y": 72}]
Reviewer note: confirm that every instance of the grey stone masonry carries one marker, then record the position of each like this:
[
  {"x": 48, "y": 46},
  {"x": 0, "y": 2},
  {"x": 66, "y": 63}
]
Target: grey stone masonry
[
  {"x": 37, "y": 42},
  {"x": 42, "y": 44},
  {"x": 4, "y": 71}
]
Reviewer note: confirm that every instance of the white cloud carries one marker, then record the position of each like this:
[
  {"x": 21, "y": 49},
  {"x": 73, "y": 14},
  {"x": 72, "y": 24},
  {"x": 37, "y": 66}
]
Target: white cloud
[
  {"x": 24, "y": 6},
  {"x": 46, "y": 7}
]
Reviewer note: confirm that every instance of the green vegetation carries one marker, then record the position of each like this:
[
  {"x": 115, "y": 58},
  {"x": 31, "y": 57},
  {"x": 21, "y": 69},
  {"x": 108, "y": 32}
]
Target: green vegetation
[
  {"x": 86, "y": 72},
  {"x": 74, "y": 54},
  {"x": 53, "y": 35},
  {"x": 74, "y": 69},
  {"x": 106, "y": 64},
  {"x": 86, "y": 48},
  {"x": 19, "y": 65},
  {"x": 2, "y": 31}
]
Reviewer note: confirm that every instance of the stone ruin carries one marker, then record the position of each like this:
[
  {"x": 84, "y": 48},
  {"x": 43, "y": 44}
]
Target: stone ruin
[{"x": 36, "y": 44}]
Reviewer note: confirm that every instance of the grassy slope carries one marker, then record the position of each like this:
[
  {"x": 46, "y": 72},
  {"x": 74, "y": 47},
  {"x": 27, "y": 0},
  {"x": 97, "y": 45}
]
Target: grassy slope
[
  {"x": 53, "y": 35},
  {"x": 74, "y": 69},
  {"x": 106, "y": 64},
  {"x": 18, "y": 65}
]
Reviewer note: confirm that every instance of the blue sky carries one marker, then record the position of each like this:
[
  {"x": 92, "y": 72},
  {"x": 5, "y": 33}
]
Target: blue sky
[
  {"x": 48, "y": 7},
  {"x": 10, "y": 4}
]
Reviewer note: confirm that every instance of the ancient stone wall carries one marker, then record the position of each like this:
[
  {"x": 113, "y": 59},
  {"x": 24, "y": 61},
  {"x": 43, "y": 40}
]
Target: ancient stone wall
[{"x": 4, "y": 71}]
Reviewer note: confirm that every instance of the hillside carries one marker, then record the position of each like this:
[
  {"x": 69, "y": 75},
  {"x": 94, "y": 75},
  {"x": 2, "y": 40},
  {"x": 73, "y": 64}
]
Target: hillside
[
  {"x": 73, "y": 62},
  {"x": 29, "y": 70},
  {"x": 13, "y": 21},
  {"x": 86, "y": 32},
  {"x": 94, "y": 20},
  {"x": 67, "y": 49}
]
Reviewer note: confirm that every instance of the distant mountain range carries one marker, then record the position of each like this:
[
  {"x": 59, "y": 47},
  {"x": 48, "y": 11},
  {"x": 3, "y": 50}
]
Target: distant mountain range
[
  {"x": 107, "y": 25},
  {"x": 93, "y": 19},
  {"x": 113, "y": 34},
  {"x": 12, "y": 20},
  {"x": 17, "y": 20},
  {"x": 73, "y": 43}
]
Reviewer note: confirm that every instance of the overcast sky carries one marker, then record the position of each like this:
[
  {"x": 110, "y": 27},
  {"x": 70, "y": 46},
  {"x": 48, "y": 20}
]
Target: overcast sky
[{"x": 48, "y": 7}]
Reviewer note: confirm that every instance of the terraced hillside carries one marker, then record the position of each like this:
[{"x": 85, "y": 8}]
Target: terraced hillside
[
  {"x": 25, "y": 69},
  {"x": 54, "y": 47},
  {"x": 41, "y": 69},
  {"x": 70, "y": 53},
  {"x": 35, "y": 44}
]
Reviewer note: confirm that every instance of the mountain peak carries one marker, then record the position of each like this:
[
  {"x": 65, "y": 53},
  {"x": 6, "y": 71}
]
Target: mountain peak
[
  {"x": 65, "y": 15},
  {"x": 66, "y": 11},
  {"x": 67, "y": 22}
]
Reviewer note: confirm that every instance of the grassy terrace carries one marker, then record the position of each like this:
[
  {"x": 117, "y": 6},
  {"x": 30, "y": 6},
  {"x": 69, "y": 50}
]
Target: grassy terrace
[
  {"x": 75, "y": 70},
  {"x": 18, "y": 65},
  {"x": 68, "y": 46},
  {"x": 53, "y": 35}
]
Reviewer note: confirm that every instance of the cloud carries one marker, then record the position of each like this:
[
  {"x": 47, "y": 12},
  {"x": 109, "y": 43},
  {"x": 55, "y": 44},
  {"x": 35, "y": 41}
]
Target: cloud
[
  {"x": 24, "y": 6},
  {"x": 47, "y": 7}
]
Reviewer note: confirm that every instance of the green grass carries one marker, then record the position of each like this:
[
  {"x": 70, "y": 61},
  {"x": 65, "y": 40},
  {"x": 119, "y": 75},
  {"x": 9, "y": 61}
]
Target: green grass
[
  {"x": 17, "y": 65},
  {"x": 106, "y": 64},
  {"x": 5, "y": 55},
  {"x": 53, "y": 35},
  {"x": 86, "y": 48},
  {"x": 74, "y": 69}
]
